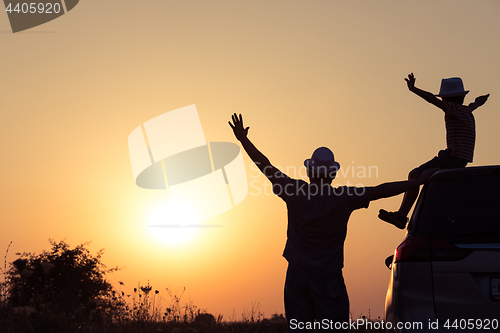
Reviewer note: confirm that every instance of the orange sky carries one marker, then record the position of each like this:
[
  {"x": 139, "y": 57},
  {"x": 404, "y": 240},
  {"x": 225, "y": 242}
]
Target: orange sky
[{"x": 303, "y": 73}]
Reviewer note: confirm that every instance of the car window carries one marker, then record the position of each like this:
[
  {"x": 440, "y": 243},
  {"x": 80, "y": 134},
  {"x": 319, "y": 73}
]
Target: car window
[{"x": 461, "y": 210}]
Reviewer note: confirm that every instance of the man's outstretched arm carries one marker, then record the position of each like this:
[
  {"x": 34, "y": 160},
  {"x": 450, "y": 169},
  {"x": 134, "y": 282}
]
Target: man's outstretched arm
[
  {"x": 387, "y": 190},
  {"x": 257, "y": 157},
  {"x": 410, "y": 81}
]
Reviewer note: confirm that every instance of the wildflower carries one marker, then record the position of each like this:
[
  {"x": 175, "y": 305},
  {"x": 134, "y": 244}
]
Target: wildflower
[
  {"x": 156, "y": 291},
  {"x": 146, "y": 290},
  {"x": 121, "y": 283}
]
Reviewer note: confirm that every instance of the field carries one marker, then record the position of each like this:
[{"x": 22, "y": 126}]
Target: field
[
  {"x": 21, "y": 323},
  {"x": 65, "y": 290}
]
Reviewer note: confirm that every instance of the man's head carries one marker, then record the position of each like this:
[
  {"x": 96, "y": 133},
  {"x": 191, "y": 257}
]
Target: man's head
[
  {"x": 452, "y": 90},
  {"x": 322, "y": 167}
]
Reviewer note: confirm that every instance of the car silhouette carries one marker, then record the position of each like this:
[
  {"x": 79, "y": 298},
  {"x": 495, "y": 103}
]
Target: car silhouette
[{"x": 446, "y": 273}]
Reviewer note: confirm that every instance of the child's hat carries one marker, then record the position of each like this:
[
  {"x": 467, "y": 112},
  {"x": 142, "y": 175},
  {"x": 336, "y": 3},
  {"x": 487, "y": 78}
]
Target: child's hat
[
  {"x": 322, "y": 161},
  {"x": 452, "y": 87}
]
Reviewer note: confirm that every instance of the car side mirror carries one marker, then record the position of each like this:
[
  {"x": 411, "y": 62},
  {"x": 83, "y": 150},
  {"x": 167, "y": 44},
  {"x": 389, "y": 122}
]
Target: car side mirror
[{"x": 388, "y": 261}]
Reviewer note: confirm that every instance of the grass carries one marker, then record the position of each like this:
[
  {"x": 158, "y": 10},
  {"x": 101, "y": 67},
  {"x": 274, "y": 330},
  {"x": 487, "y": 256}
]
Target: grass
[
  {"x": 64, "y": 290},
  {"x": 140, "y": 312},
  {"x": 19, "y": 323},
  {"x": 139, "y": 317}
]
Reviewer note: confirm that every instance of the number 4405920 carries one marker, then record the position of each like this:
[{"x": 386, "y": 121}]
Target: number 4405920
[
  {"x": 34, "y": 7},
  {"x": 485, "y": 324}
]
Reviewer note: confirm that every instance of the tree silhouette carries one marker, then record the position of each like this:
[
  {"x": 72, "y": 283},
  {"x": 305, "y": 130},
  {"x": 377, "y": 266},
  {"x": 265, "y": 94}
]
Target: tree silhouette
[{"x": 62, "y": 281}]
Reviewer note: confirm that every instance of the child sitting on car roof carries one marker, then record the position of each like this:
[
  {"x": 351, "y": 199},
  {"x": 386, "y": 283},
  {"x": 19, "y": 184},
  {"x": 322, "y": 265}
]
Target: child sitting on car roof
[{"x": 460, "y": 138}]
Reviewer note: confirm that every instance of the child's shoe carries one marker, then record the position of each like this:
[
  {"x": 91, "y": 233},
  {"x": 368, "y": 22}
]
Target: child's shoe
[{"x": 393, "y": 218}]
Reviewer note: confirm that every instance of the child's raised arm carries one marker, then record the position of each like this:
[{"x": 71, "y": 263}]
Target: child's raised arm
[
  {"x": 410, "y": 81},
  {"x": 481, "y": 100}
]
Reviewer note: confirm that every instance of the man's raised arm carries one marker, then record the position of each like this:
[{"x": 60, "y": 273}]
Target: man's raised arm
[{"x": 241, "y": 133}]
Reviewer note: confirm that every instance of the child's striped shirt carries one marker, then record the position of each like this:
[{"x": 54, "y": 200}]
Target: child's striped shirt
[{"x": 460, "y": 129}]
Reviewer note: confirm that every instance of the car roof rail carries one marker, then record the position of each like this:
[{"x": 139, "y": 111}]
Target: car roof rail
[{"x": 465, "y": 172}]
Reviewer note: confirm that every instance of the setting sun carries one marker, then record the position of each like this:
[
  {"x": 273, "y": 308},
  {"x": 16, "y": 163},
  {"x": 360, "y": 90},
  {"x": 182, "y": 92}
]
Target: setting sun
[{"x": 173, "y": 222}]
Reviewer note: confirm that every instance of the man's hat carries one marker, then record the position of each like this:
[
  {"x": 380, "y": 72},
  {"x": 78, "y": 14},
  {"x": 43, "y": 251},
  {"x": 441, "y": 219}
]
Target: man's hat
[
  {"x": 322, "y": 161},
  {"x": 452, "y": 87}
]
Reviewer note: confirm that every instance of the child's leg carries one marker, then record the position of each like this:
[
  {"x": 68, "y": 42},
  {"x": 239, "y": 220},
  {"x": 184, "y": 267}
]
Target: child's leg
[
  {"x": 399, "y": 218},
  {"x": 410, "y": 196}
]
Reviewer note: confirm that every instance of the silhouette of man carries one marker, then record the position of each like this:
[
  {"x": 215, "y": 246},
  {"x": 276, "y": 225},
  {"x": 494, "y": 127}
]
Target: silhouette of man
[{"x": 315, "y": 293}]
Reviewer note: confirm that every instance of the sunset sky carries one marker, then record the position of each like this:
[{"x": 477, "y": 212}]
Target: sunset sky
[{"x": 303, "y": 73}]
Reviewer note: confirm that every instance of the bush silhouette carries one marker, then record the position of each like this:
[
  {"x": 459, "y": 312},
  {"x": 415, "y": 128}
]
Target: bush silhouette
[
  {"x": 204, "y": 319},
  {"x": 62, "y": 281}
]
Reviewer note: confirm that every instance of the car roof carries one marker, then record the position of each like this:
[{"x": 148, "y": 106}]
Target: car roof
[
  {"x": 427, "y": 220},
  {"x": 465, "y": 172}
]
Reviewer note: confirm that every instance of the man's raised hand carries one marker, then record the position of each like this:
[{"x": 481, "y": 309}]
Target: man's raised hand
[
  {"x": 410, "y": 81},
  {"x": 240, "y": 132}
]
